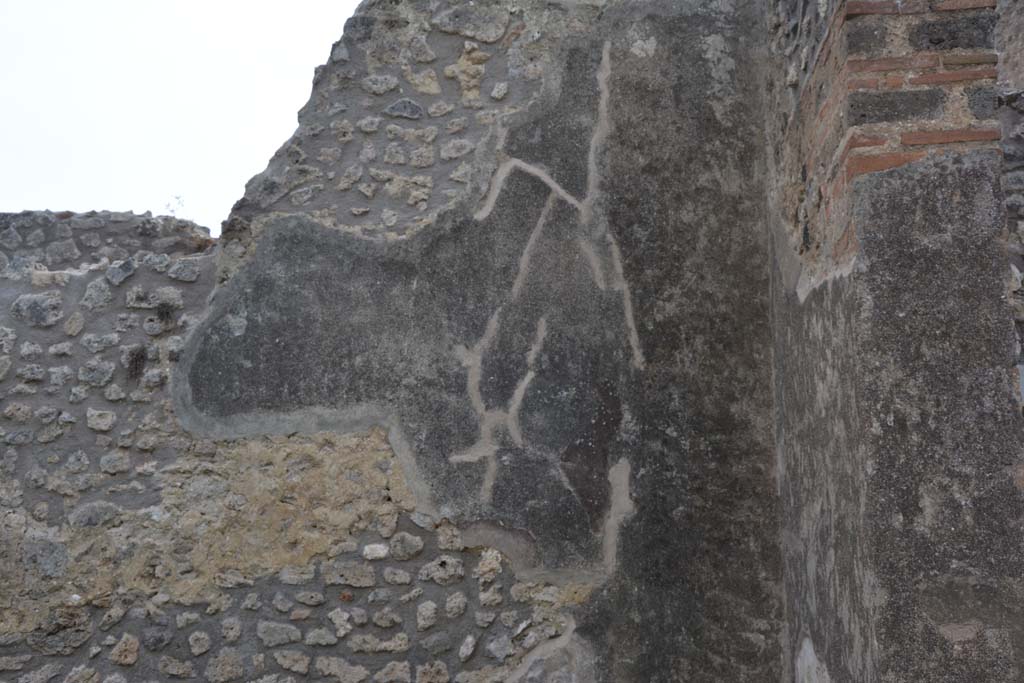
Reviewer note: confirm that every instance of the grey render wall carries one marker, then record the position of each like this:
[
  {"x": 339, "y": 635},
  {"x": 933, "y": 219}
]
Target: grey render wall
[{"x": 563, "y": 342}]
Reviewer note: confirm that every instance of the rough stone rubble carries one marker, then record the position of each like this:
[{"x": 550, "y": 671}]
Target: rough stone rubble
[{"x": 563, "y": 342}]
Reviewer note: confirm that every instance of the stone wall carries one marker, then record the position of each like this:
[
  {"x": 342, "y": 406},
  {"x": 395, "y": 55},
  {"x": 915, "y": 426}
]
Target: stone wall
[{"x": 563, "y": 342}]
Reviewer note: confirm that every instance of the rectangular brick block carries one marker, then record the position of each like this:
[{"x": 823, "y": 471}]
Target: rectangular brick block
[
  {"x": 945, "y": 137},
  {"x": 859, "y": 7},
  {"x": 973, "y": 31},
  {"x": 872, "y": 163},
  {"x": 974, "y": 58},
  {"x": 953, "y": 76},
  {"x": 954, "y": 5},
  {"x": 868, "y": 106},
  {"x": 917, "y": 61}
]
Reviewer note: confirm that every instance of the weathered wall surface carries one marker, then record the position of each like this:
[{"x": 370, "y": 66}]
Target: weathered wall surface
[
  {"x": 564, "y": 342},
  {"x": 899, "y": 419},
  {"x": 584, "y": 338}
]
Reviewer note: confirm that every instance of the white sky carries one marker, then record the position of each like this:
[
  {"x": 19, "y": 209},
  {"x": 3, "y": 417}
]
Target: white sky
[{"x": 131, "y": 104}]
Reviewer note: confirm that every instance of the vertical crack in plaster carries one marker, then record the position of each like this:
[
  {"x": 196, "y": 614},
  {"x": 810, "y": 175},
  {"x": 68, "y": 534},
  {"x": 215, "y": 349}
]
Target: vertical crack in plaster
[
  {"x": 619, "y": 511},
  {"x": 485, "y": 447}
]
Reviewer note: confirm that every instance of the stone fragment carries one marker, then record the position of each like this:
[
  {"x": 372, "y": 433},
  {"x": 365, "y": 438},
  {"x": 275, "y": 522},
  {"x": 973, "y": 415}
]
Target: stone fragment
[
  {"x": 432, "y": 672},
  {"x": 491, "y": 597},
  {"x": 405, "y": 546},
  {"x": 175, "y": 668},
  {"x": 292, "y": 660},
  {"x": 500, "y": 648},
  {"x": 443, "y": 571},
  {"x": 469, "y": 71},
  {"x": 96, "y": 373},
  {"x": 375, "y": 551},
  {"x": 199, "y": 642},
  {"x": 10, "y": 238},
  {"x": 448, "y": 537},
  {"x": 342, "y": 620},
  {"x": 453, "y": 149},
  {"x": 74, "y": 324},
  {"x": 437, "y": 643},
  {"x": 311, "y": 598},
  {"x": 39, "y": 310},
  {"x": 467, "y": 647},
  {"x": 439, "y": 109},
  {"x": 41, "y": 675},
  {"x": 295, "y": 576},
  {"x": 100, "y": 420},
  {"x": 348, "y": 573},
  {"x": 119, "y": 271},
  {"x": 499, "y": 91},
  {"x": 365, "y": 642},
  {"x": 272, "y": 633},
  {"x": 226, "y": 665},
  {"x": 426, "y": 615},
  {"x": 455, "y": 605},
  {"x": 397, "y": 577},
  {"x": 394, "y": 672},
  {"x": 115, "y": 462},
  {"x": 231, "y": 629},
  {"x": 185, "y": 269},
  {"x": 62, "y": 251},
  {"x": 320, "y": 636},
  {"x": 97, "y": 296},
  {"x": 486, "y": 23},
  {"x": 340, "y": 670},
  {"x": 157, "y": 638},
  {"x": 405, "y": 108},
  {"x": 387, "y": 618},
  {"x": 424, "y": 81},
  {"x": 93, "y": 513},
  {"x": 61, "y": 349},
  {"x": 489, "y": 566},
  {"x": 379, "y": 84},
  {"x": 126, "y": 652}
]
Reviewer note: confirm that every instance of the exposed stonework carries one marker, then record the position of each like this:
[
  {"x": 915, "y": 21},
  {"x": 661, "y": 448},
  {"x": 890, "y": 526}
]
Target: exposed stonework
[{"x": 563, "y": 342}]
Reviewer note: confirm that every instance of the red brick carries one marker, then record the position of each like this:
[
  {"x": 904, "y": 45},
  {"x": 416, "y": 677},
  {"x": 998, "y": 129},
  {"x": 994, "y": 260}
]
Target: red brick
[
  {"x": 872, "y": 163},
  {"x": 846, "y": 245},
  {"x": 893, "y": 81},
  {"x": 945, "y": 137},
  {"x": 953, "y": 5},
  {"x": 862, "y": 84},
  {"x": 857, "y": 7},
  {"x": 922, "y": 60},
  {"x": 953, "y": 76},
  {"x": 860, "y": 140},
  {"x": 973, "y": 58}
]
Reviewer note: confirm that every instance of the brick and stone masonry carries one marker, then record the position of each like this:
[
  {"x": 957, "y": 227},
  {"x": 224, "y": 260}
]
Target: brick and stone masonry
[{"x": 575, "y": 342}]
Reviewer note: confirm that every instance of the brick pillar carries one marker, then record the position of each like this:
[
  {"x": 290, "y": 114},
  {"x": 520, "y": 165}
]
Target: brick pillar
[{"x": 898, "y": 422}]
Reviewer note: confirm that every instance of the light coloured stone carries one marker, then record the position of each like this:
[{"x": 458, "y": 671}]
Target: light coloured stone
[
  {"x": 292, "y": 660},
  {"x": 272, "y": 633},
  {"x": 455, "y": 605},
  {"x": 375, "y": 551},
  {"x": 394, "y": 672},
  {"x": 426, "y": 615},
  {"x": 340, "y": 670},
  {"x": 199, "y": 643},
  {"x": 432, "y": 672},
  {"x": 126, "y": 652},
  {"x": 444, "y": 571}
]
